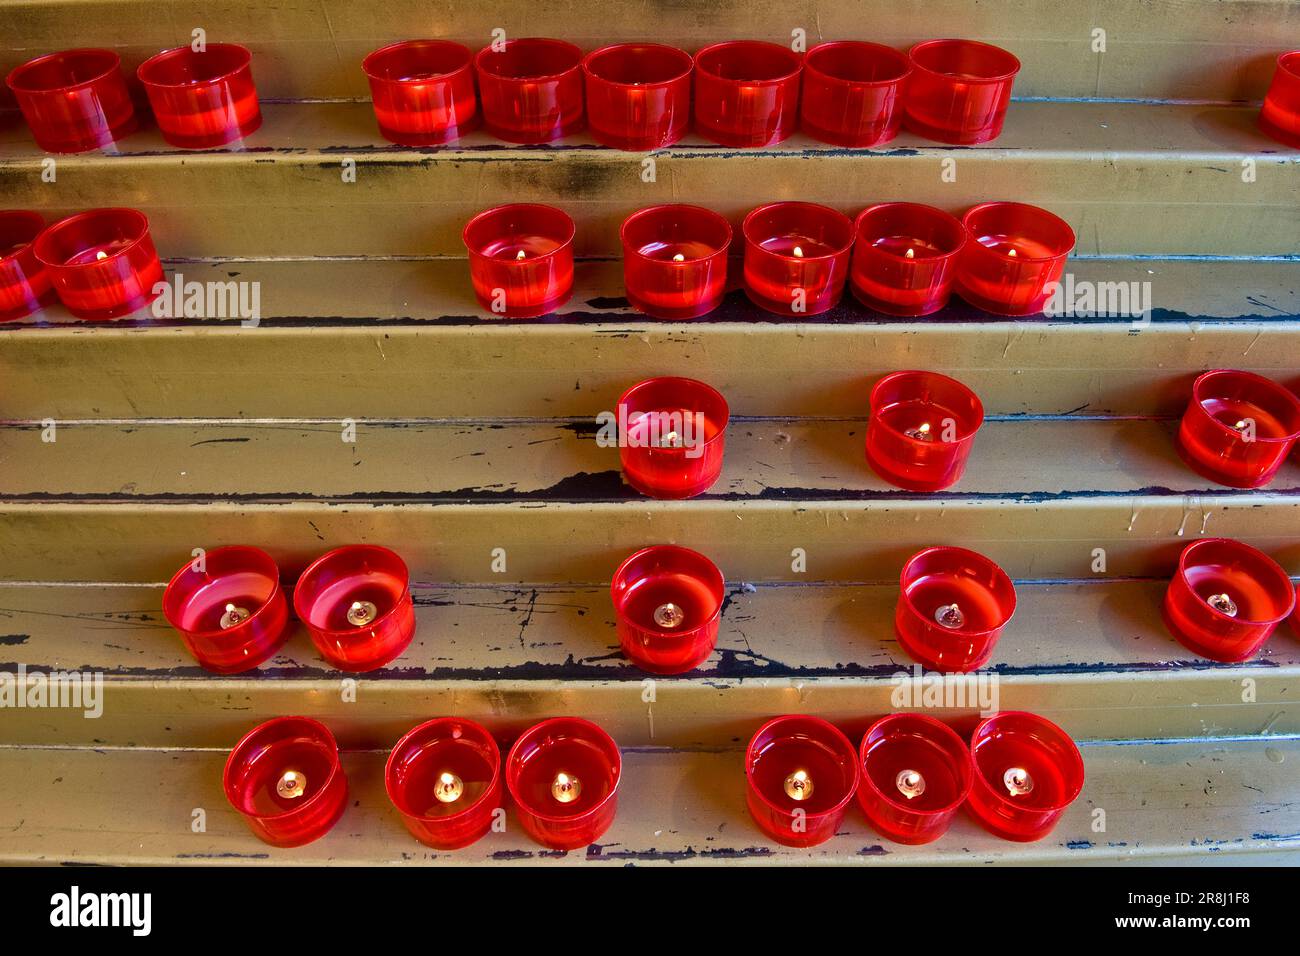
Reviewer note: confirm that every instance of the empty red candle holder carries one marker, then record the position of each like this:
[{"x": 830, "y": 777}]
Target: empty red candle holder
[
  {"x": 668, "y": 601},
  {"x": 229, "y": 608},
  {"x": 1015, "y": 255},
  {"x": 74, "y": 100},
  {"x": 796, "y": 257},
  {"x": 672, "y": 433},
  {"x": 356, "y": 603},
  {"x": 801, "y": 772},
  {"x": 563, "y": 777},
  {"x": 638, "y": 95},
  {"x": 102, "y": 263},
  {"x": 24, "y": 283},
  {"x": 952, "y": 608},
  {"x": 1026, "y": 771},
  {"x": 921, "y": 429},
  {"x": 444, "y": 777},
  {"x": 1226, "y": 599},
  {"x": 521, "y": 259},
  {"x": 1238, "y": 428},
  {"x": 958, "y": 90},
  {"x": 747, "y": 93},
  {"x": 852, "y": 93},
  {"x": 423, "y": 91},
  {"x": 675, "y": 260},
  {"x": 284, "y": 776},
  {"x": 904, "y": 257},
  {"x": 916, "y": 774},
  {"x": 1280, "y": 117},
  {"x": 531, "y": 89},
  {"x": 202, "y": 98}
]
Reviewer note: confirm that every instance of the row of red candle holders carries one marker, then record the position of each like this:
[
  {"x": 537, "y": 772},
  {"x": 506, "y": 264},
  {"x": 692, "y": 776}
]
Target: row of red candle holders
[
  {"x": 1003, "y": 257},
  {"x": 1237, "y": 430},
  {"x": 638, "y": 95},
  {"x": 911, "y": 774},
  {"x": 1224, "y": 602},
  {"x": 101, "y": 263},
  {"x": 444, "y": 777}
]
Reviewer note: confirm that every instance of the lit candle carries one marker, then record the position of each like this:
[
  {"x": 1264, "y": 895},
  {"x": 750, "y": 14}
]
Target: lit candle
[
  {"x": 800, "y": 773},
  {"x": 1027, "y": 771},
  {"x": 952, "y": 607},
  {"x": 1238, "y": 428},
  {"x": 796, "y": 257},
  {"x": 1017, "y": 256},
  {"x": 904, "y": 258},
  {"x": 102, "y": 263},
  {"x": 444, "y": 777},
  {"x": 675, "y": 260},
  {"x": 672, "y": 436},
  {"x": 521, "y": 259},
  {"x": 202, "y": 98},
  {"x": 667, "y": 603},
  {"x": 563, "y": 775},
  {"x": 916, "y": 774},
  {"x": 921, "y": 429}
]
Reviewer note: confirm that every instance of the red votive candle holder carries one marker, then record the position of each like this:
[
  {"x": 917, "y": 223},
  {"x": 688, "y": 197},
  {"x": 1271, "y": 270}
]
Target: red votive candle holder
[
  {"x": 916, "y": 774},
  {"x": 563, "y": 777},
  {"x": 952, "y": 608},
  {"x": 903, "y": 258},
  {"x": 531, "y": 90},
  {"x": 851, "y": 93},
  {"x": 1225, "y": 599},
  {"x": 958, "y": 90},
  {"x": 1280, "y": 117},
  {"x": 675, "y": 260},
  {"x": 356, "y": 603},
  {"x": 102, "y": 263},
  {"x": 801, "y": 772},
  {"x": 921, "y": 429},
  {"x": 24, "y": 283},
  {"x": 1026, "y": 771},
  {"x": 230, "y": 611},
  {"x": 74, "y": 100},
  {"x": 202, "y": 99},
  {"x": 796, "y": 257},
  {"x": 284, "y": 776},
  {"x": 668, "y": 600},
  {"x": 638, "y": 95},
  {"x": 747, "y": 93},
  {"x": 672, "y": 433},
  {"x": 1016, "y": 253},
  {"x": 423, "y": 91},
  {"x": 444, "y": 777},
  {"x": 521, "y": 259},
  {"x": 1238, "y": 428}
]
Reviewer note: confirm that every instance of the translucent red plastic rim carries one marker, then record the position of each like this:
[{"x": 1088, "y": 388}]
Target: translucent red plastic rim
[
  {"x": 833, "y": 737},
  {"x": 720, "y": 239},
  {"x": 482, "y": 739},
  {"x": 110, "y": 61},
  {"x": 43, "y": 250},
  {"x": 1002, "y": 585},
  {"x": 1283, "y": 394},
  {"x": 928, "y": 56},
  {"x": 188, "y": 68},
  {"x": 703, "y": 568},
  {"x": 831, "y": 217},
  {"x": 593, "y": 61},
  {"x": 593, "y": 734},
  {"x": 882, "y": 55},
  {"x": 173, "y": 594},
  {"x": 713, "y": 405},
  {"x": 493, "y": 62},
  {"x": 940, "y": 733},
  {"x": 1259, "y": 561},
  {"x": 238, "y": 757},
  {"x": 712, "y": 59},
  {"x": 954, "y": 393},
  {"x": 1041, "y": 728},
  {"x": 1055, "y": 231},
  {"x": 377, "y": 64},
  {"x": 307, "y": 583},
  {"x": 477, "y": 232},
  {"x": 956, "y": 235}
]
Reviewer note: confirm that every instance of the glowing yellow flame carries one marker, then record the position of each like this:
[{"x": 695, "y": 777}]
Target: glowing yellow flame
[
  {"x": 910, "y": 254},
  {"x": 798, "y": 251},
  {"x": 521, "y": 255}
]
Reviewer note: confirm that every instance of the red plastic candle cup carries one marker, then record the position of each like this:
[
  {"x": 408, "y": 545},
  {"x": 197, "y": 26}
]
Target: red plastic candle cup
[
  {"x": 1238, "y": 428},
  {"x": 444, "y": 777},
  {"x": 638, "y": 95},
  {"x": 521, "y": 259},
  {"x": 801, "y": 772},
  {"x": 1226, "y": 599},
  {"x": 286, "y": 779},
  {"x": 563, "y": 777},
  {"x": 1026, "y": 771},
  {"x": 229, "y": 608},
  {"x": 1015, "y": 255},
  {"x": 747, "y": 93},
  {"x": 953, "y": 606},
  {"x": 356, "y": 602},
  {"x": 202, "y": 98},
  {"x": 796, "y": 257},
  {"x": 24, "y": 284},
  {"x": 852, "y": 93},
  {"x": 74, "y": 100},
  {"x": 423, "y": 91},
  {"x": 1280, "y": 117},
  {"x": 916, "y": 774},
  {"x": 672, "y": 433},
  {"x": 668, "y": 601},
  {"x": 921, "y": 430},
  {"x": 102, "y": 263},
  {"x": 903, "y": 258},
  {"x": 531, "y": 89},
  {"x": 675, "y": 260},
  {"x": 958, "y": 90}
]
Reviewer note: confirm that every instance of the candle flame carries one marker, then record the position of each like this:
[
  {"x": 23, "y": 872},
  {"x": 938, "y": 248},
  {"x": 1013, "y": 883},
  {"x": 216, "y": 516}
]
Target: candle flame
[
  {"x": 910, "y": 254},
  {"x": 1012, "y": 253},
  {"x": 521, "y": 255},
  {"x": 101, "y": 254},
  {"x": 798, "y": 251},
  {"x": 679, "y": 258}
]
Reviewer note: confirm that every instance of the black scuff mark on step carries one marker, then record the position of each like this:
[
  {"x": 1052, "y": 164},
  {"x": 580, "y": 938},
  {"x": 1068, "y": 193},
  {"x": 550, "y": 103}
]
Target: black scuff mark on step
[
  {"x": 220, "y": 441},
  {"x": 12, "y": 640}
]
